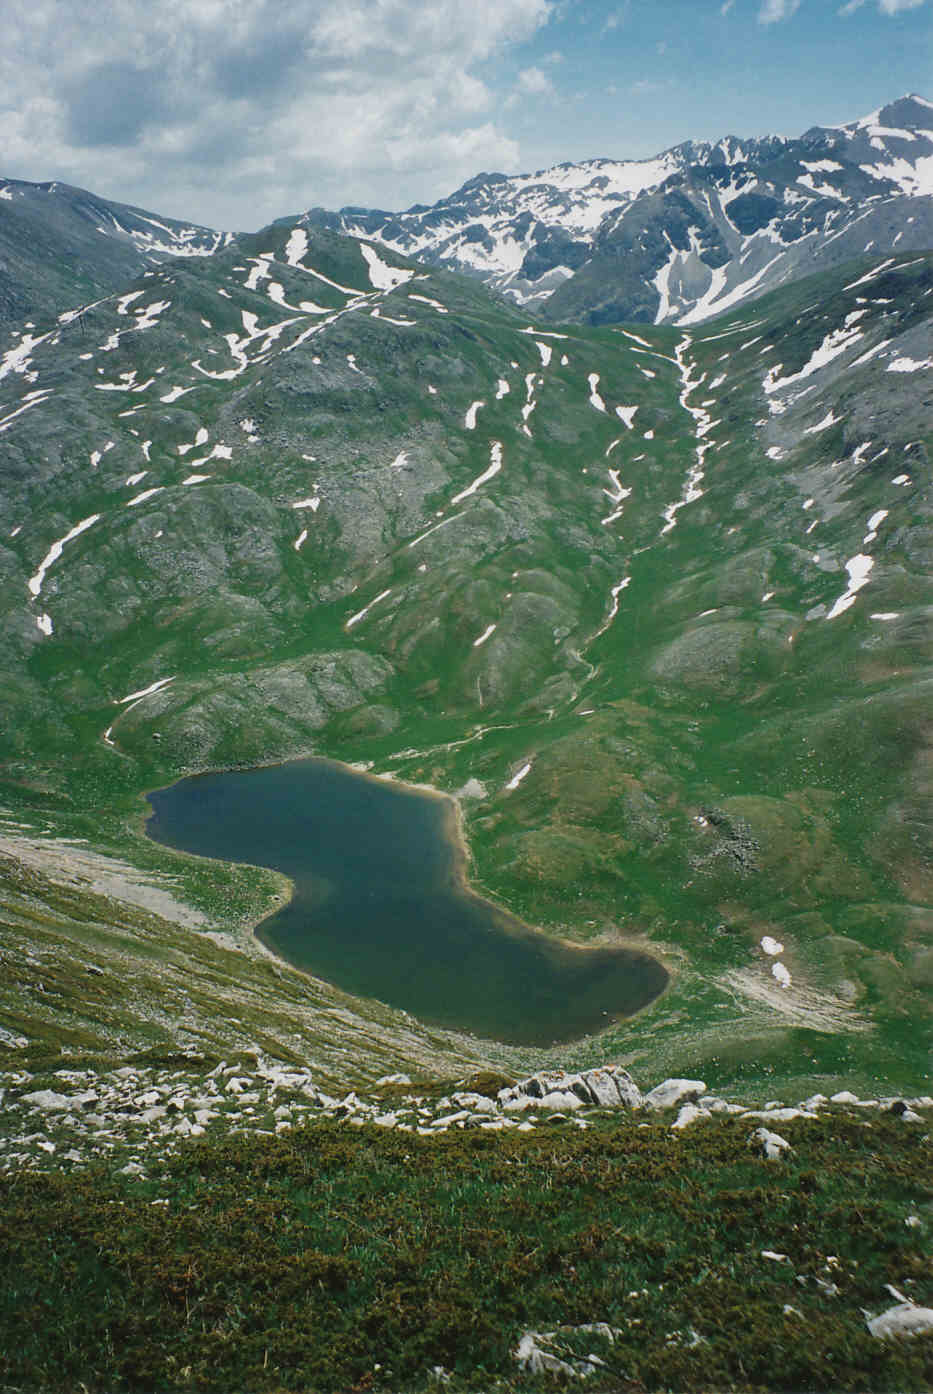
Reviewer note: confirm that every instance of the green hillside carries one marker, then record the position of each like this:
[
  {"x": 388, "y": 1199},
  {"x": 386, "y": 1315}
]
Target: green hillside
[{"x": 310, "y": 501}]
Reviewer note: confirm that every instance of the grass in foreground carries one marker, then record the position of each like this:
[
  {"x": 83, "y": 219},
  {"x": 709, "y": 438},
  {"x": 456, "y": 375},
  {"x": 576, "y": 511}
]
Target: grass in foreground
[{"x": 335, "y": 1259}]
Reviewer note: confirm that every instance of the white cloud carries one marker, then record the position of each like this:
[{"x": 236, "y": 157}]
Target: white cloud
[
  {"x": 616, "y": 18},
  {"x": 772, "y": 11},
  {"x": 885, "y": 7},
  {"x": 726, "y": 6},
  {"x": 534, "y": 82},
  {"x": 236, "y": 111}
]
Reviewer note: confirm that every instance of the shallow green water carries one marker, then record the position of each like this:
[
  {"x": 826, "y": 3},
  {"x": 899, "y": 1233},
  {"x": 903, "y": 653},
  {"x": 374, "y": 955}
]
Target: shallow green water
[{"x": 379, "y": 910}]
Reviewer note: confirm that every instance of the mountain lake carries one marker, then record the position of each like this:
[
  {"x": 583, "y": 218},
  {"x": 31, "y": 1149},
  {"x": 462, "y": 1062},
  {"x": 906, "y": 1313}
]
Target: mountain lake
[{"x": 381, "y": 907}]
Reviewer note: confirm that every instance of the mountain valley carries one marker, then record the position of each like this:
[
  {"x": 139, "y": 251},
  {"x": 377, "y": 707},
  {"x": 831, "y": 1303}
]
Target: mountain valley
[
  {"x": 583, "y": 524},
  {"x": 656, "y": 604}
]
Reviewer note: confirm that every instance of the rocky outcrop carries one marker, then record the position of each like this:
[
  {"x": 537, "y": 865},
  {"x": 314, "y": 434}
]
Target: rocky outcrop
[
  {"x": 136, "y": 1111},
  {"x": 607, "y": 1087}
]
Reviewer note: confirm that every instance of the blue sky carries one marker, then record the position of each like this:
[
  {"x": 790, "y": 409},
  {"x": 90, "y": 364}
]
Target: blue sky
[
  {"x": 234, "y": 112},
  {"x": 634, "y": 78}
]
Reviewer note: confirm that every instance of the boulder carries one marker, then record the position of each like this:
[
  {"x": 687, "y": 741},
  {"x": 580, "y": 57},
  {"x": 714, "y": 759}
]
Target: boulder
[
  {"x": 776, "y": 1115},
  {"x": 49, "y": 1101},
  {"x": 602, "y": 1088},
  {"x": 630, "y": 1096},
  {"x": 561, "y": 1101},
  {"x": 903, "y": 1320},
  {"x": 687, "y": 1115},
  {"x": 673, "y": 1092},
  {"x": 772, "y": 1145},
  {"x": 544, "y": 1082},
  {"x": 476, "y": 1103}
]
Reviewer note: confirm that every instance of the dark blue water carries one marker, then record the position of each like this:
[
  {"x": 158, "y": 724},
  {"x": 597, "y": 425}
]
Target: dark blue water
[{"x": 380, "y": 908}]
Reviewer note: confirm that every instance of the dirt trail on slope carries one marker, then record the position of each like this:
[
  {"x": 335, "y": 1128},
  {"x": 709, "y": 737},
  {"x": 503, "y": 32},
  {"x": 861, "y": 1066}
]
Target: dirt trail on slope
[{"x": 70, "y": 864}]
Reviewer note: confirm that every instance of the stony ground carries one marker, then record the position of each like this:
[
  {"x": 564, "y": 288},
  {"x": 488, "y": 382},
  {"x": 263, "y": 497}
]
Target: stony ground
[
  {"x": 75, "y": 1116},
  {"x": 239, "y": 1228}
]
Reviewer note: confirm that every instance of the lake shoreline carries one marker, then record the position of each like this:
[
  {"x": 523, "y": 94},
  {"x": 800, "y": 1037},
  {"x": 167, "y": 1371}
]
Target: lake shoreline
[{"x": 427, "y": 908}]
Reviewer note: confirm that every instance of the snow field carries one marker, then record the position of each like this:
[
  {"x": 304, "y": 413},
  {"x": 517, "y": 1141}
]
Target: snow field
[
  {"x": 35, "y": 582},
  {"x": 495, "y": 465},
  {"x": 361, "y": 614}
]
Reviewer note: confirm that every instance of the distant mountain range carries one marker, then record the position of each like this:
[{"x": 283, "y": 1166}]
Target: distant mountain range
[
  {"x": 672, "y": 240},
  {"x": 682, "y": 237}
]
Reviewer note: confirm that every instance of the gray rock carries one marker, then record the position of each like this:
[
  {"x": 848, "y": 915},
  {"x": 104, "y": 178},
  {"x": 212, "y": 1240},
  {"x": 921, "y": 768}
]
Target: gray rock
[
  {"x": 687, "y": 1115},
  {"x": 777, "y": 1115},
  {"x": 561, "y": 1101},
  {"x": 49, "y": 1101},
  {"x": 477, "y": 1103},
  {"x": 602, "y": 1088},
  {"x": 544, "y": 1082},
  {"x": 673, "y": 1092},
  {"x": 630, "y": 1096},
  {"x": 903, "y": 1320},
  {"x": 772, "y": 1145}
]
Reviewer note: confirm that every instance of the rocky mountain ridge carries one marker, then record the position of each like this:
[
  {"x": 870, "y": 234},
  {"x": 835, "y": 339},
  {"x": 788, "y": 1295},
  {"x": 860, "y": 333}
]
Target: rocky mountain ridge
[
  {"x": 61, "y": 247},
  {"x": 685, "y": 236}
]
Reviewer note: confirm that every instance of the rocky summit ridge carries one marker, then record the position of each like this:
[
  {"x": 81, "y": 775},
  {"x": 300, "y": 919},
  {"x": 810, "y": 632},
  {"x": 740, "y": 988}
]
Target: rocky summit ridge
[{"x": 682, "y": 237}]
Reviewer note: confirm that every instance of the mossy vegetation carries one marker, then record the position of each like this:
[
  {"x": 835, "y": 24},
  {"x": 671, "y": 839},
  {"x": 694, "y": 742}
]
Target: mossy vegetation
[{"x": 334, "y": 1258}]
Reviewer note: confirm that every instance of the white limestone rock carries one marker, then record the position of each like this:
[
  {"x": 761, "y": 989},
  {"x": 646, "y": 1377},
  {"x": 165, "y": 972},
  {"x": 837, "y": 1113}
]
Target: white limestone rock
[
  {"x": 630, "y": 1096},
  {"x": 687, "y": 1115},
  {"x": 602, "y": 1087},
  {"x": 476, "y": 1103},
  {"x": 772, "y": 1145},
  {"x": 777, "y": 1115},
  {"x": 673, "y": 1092},
  {"x": 49, "y": 1101},
  {"x": 561, "y": 1101},
  {"x": 903, "y": 1320},
  {"x": 544, "y": 1082}
]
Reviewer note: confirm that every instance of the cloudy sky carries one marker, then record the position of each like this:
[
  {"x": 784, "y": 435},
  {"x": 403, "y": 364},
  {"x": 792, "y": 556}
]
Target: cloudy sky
[{"x": 234, "y": 112}]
